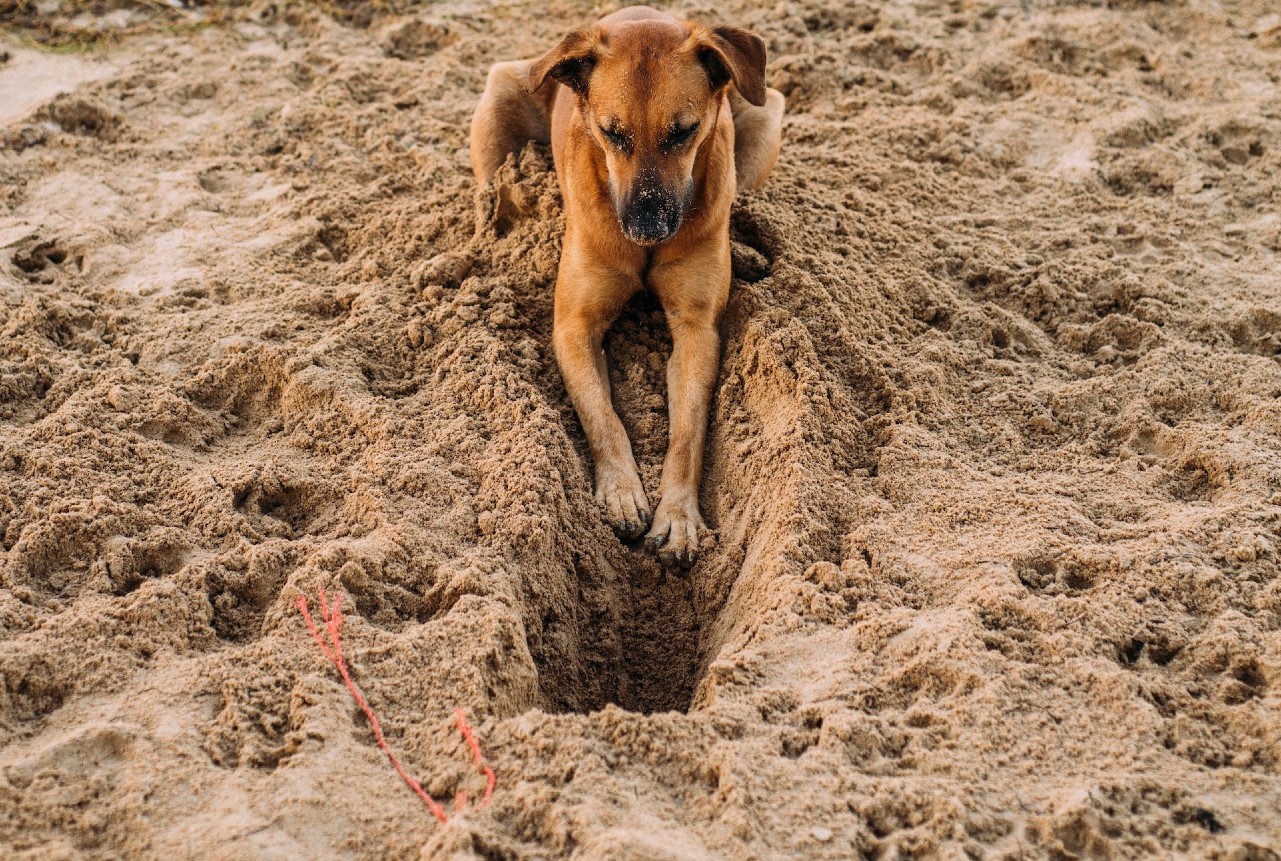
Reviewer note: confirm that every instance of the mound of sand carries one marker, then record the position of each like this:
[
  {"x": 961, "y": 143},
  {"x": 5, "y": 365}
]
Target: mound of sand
[{"x": 994, "y": 462}]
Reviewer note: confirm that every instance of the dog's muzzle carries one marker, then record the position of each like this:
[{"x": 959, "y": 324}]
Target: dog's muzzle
[{"x": 650, "y": 215}]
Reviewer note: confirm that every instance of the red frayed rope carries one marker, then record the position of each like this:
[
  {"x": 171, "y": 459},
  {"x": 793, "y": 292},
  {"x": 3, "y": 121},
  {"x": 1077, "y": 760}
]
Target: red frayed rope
[
  {"x": 332, "y": 618},
  {"x": 470, "y": 736}
]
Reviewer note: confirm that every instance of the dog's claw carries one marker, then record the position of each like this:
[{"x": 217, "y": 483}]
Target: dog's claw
[
  {"x": 677, "y": 559},
  {"x": 674, "y": 537},
  {"x": 623, "y": 499}
]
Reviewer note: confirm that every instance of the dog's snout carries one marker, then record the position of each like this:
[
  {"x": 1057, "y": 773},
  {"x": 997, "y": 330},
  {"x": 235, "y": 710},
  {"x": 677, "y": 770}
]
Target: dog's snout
[
  {"x": 650, "y": 215},
  {"x": 649, "y": 220}
]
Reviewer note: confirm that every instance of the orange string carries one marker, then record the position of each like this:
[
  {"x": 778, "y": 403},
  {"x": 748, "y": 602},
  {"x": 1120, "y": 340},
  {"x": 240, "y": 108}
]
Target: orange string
[
  {"x": 470, "y": 738},
  {"x": 333, "y": 621}
]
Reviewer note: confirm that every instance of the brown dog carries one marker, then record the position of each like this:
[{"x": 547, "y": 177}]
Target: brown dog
[{"x": 654, "y": 124}]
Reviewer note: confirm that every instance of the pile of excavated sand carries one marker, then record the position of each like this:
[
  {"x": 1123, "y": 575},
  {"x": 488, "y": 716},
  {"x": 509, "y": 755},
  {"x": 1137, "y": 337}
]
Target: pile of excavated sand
[{"x": 994, "y": 465}]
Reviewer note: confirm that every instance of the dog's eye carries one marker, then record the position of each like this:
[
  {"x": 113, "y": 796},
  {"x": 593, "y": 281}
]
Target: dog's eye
[
  {"x": 679, "y": 136},
  {"x": 615, "y": 137}
]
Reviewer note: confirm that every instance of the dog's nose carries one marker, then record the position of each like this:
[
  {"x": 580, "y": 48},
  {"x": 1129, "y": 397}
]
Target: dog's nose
[
  {"x": 650, "y": 217},
  {"x": 647, "y": 227}
]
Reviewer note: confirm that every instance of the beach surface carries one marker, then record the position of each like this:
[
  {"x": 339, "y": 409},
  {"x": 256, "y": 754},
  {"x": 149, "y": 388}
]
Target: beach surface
[{"x": 993, "y": 469}]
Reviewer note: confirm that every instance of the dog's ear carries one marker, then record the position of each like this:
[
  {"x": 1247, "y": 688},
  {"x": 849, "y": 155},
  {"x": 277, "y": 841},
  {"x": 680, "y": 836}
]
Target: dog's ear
[
  {"x": 570, "y": 62},
  {"x": 731, "y": 54}
]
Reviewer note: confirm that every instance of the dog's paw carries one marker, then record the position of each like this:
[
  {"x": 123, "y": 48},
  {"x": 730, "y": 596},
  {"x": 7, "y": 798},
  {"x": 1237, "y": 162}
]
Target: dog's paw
[
  {"x": 622, "y": 497},
  {"x": 674, "y": 537}
]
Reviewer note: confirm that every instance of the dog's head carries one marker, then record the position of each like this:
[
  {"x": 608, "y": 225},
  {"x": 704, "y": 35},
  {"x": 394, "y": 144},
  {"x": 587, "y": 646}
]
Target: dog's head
[{"x": 649, "y": 92}]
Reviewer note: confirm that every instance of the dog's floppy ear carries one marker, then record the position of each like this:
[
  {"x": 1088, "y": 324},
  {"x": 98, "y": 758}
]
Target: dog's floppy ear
[
  {"x": 570, "y": 62},
  {"x": 731, "y": 54}
]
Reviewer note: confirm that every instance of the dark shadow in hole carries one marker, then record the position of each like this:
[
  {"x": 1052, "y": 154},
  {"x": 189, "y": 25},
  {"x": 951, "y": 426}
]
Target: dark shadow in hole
[
  {"x": 753, "y": 246},
  {"x": 633, "y": 643},
  {"x": 660, "y": 639}
]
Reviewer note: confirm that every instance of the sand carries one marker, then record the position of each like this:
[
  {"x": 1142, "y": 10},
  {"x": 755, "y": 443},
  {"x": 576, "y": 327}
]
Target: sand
[{"x": 994, "y": 465}]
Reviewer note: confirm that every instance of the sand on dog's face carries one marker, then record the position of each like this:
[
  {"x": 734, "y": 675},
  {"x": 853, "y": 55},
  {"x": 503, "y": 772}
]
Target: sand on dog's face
[{"x": 994, "y": 461}]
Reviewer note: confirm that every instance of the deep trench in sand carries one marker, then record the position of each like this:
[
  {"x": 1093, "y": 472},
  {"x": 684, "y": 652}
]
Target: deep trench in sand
[
  {"x": 643, "y": 641},
  {"x": 637, "y": 644},
  {"x": 660, "y": 630}
]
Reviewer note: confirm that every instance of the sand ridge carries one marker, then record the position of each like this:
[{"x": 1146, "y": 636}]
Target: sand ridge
[{"x": 994, "y": 463}]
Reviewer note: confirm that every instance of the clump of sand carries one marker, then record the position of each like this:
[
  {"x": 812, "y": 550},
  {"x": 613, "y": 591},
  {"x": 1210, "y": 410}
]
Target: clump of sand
[{"x": 994, "y": 462}]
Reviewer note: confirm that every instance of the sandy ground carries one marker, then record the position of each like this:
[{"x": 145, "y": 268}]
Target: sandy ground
[{"x": 994, "y": 463}]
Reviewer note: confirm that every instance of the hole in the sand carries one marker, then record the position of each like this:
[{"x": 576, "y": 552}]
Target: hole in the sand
[
  {"x": 324, "y": 305},
  {"x": 747, "y": 264},
  {"x": 334, "y": 240},
  {"x": 511, "y": 204},
  {"x": 163, "y": 430},
  {"x": 1189, "y": 483},
  {"x": 795, "y": 743},
  {"x": 1202, "y": 817},
  {"x": 1162, "y": 654},
  {"x": 1155, "y": 646},
  {"x": 233, "y": 619},
  {"x": 393, "y": 593},
  {"x": 35, "y": 260},
  {"x": 239, "y": 598},
  {"x": 131, "y": 568},
  {"x": 1165, "y": 705},
  {"x": 638, "y": 653},
  {"x": 1251, "y": 676},
  {"x": 83, "y": 115},
  {"x": 1131, "y": 652},
  {"x": 1037, "y": 574},
  {"x": 280, "y": 508},
  {"x": 285, "y": 504},
  {"x": 1047, "y": 575},
  {"x": 392, "y": 378},
  {"x": 36, "y": 695},
  {"x": 518, "y": 188},
  {"x": 660, "y": 643},
  {"x": 1078, "y": 579},
  {"x": 754, "y": 245},
  {"x": 214, "y": 180}
]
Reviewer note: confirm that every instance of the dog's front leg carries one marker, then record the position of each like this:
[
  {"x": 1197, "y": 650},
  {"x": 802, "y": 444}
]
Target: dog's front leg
[
  {"x": 588, "y": 298},
  {"x": 693, "y": 290}
]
